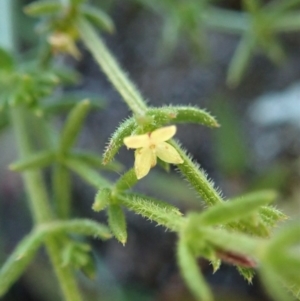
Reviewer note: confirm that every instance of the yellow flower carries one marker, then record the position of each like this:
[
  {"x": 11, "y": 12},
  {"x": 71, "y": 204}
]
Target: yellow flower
[{"x": 152, "y": 145}]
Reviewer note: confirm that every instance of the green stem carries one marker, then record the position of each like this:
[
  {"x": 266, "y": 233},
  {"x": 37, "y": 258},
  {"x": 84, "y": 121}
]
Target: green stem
[
  {"x": 112, "y": 69},
  {"x": 197, "y": 178},
  {"x": 236, "y": 242},
  {"x": 40, "y": 208},
  {"x": 135, "y": 102}
]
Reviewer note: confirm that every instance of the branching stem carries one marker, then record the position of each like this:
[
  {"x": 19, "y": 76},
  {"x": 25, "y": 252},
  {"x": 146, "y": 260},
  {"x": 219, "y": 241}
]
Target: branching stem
[{"x": 40, "y": 208}]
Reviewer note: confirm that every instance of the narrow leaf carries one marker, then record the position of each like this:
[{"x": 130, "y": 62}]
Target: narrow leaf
[
  {"x": 288, "y": 267},
  {"x": 191, "y": 274},
  {"x": 240, "y": 61},
  {"x": 287, "y": 22},
  {"x": 90, "y": 269},
  {"x": 87, "y": 173},
  {"x": 247, "y": 273},
  {"x": 126, "y": 181},
  {"x": 182, "y": 114},
  {"x": 271, "y": 215},
  {"x": 68, "y": 101},
  {"x": 237, "y": 208},
  {"x": 6, "y": 60},
  {"x": 273, "y": 284},
  {"x": 288, "y": 236},
  {"x": 116, "y": 141},
  {"x": 95, "y": 160},
  {"x": 18, "y": 261},
  {"x": 36, "y": 161},
  {"x": 117, "y": 223},
  {"x": 40, "y": 8},
  {"x": 98, "y": 18},
  {"x": 231, "y": 241},
  {"x": 102, "y": 199},
  {"x": 161, "y": 212},
  {"x": 73, "y": 125}
]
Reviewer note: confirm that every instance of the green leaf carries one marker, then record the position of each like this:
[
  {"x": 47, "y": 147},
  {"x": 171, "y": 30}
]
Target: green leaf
[
  {"x": 89, "y": 269},
  {"x": 6, "y": 60},
  {"x": 287, "y": 237},
  {"x": 273, "y": 284},
  {"x": 117, "y": 222},
  {"x": 40, "y": 8},
  {"x": 223, "y": 239},
  {"x": 98, "y": 18},
  {"x": 181, "y": 114},
  {"x": 252, "y": 225},
  {"x": 68, "y": 101},
  {"x": 78, "y": 255},
  {"x": 126, "y": 181},
  {"x": 271, "y": 216},
  {"x": 102, "y": 199},
  {"x": 18, "y": 261},
  {"x": 161, "y": 212},
  {"x": 216, "y": 264},
  {"x": 4, "y": 121},
  {"x": 287, "y": 266},
  {"x": 66, "y": 75},
  {"x": 282, "y": 6},
  {"x": 73, "y": 125},
  {"x": 236, "y": 209},
  {"x": 35, "y": 161},
  {"x": 116, "y": 140},
  {"x": 247, "y": 273},
  {"x": 94, "y": 160},
  {"x": 191, "y": 274},
  {"x": 253, "y": 6},
  {"x": 229, "y": 142},
  {"x": 86, "y": 172},
  {"x": 240, "y": 60}
]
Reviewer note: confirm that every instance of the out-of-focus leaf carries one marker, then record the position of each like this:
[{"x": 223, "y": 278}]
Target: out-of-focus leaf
[
  {"x": 98, "y": 17},
  {"x": 229, "y": 142},
  {"x": 67, "y": 101},
  {"x": 6, "y": 60},
  {"x": 40, "y": 8}
]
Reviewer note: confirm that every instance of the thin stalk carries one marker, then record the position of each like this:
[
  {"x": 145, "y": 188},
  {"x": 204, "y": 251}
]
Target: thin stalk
[
  {"x": 40, "y": 208},
  {"x": 111, "y": 68}
]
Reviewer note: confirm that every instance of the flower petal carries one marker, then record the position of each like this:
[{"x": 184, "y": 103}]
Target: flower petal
[
  {"x": 136, "y": 141},
  {"x": 143, "y": 161},
  {"x": 168, "y": 153},
  {"x": 163, "y": 134}
]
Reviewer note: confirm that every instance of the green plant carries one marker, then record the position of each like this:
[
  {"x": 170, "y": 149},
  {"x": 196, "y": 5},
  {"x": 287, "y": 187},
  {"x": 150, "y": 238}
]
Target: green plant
[{"x": 239, "y": 231}]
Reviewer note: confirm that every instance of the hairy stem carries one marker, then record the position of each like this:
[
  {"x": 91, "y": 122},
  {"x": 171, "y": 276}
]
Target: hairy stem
[
  {"x": 135, "y": 102},
  {"x": 112, "y": 69},
  {"x": 40, "y": 208}
]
